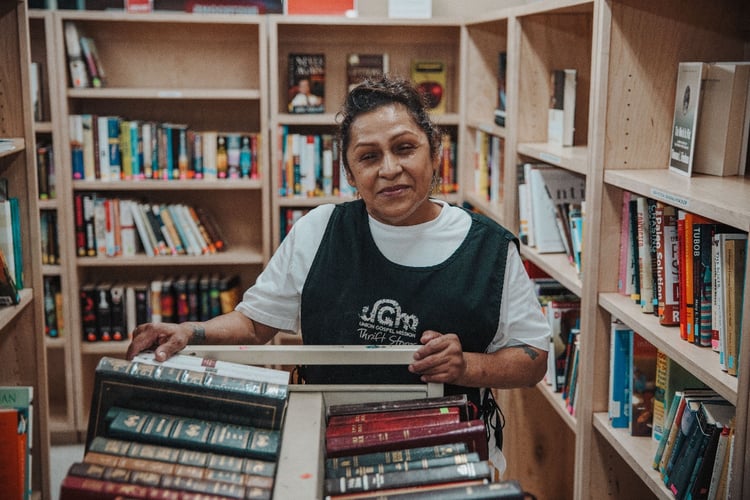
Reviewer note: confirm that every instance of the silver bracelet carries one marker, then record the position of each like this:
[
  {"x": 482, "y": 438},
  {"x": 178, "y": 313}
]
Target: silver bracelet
[{"x": 199, "y": 335}]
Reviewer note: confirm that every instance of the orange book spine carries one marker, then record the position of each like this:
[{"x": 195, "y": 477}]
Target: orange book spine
[{"x": 385, "y": 415}]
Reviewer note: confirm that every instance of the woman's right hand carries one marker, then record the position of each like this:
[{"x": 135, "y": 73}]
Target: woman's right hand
[{"x": 165, "y": 339}]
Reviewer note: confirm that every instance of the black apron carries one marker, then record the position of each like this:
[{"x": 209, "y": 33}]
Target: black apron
[{"x": 353, "y": 295}]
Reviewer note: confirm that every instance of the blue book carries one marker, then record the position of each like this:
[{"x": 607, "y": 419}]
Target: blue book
[{"x": 619, "y": 375}]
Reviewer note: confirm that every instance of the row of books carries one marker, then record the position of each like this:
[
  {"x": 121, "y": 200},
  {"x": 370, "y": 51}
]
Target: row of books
[
  {"x": 16, "y": 443},
  {"x": 112, "y": 148},
  {"x": 434, "y": 447},
  {"x": 563, "y": 312},
  {"x": 489, "y": 165},
  {"x": 307, "y": 79},
  {"x": 632, "y": 380},
  {"x": 11, "y": 249},
  {"x": 184, "y": 428},
  {"x": 687, "y": 269},
  {"x": 111, "y": 311},
  {"x": 46, "y": 176},
  {"x": 693, "y": 456},
  {"x": 551, "y": 205},
  {"x": 311, "y": 165},
  {"x": 49, "y": 237},
  {"x": 120, "y": 227}
]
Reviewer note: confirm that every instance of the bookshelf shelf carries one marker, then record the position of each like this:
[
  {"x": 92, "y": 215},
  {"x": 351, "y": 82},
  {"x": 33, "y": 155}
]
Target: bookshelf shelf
[
  {"x": 165, "y": 94},
  {"x": 480, "y": 202},
  {"x": 171, "y": 185},
  {"x": 238, "y": 256},
  {"x": 24, "y": 361},
  {"x": 558, "y": 404},
  {"x": 571, "y": 158},
  {"x": 703, "y": 361},
  {"x": 557, "y": 265},
  {"x": 9, "y": 313},
  {"x": 12, "y": 146},
  {"x": 724, "y": 199},
  {"x": 43, "y": 127},
  {"x": 637, "y": 452}
]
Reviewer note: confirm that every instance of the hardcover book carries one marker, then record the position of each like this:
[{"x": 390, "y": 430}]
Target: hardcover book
[
  {"x": 361, "y": 66},
  {"x": 175, "y": 389},
  {"x": 306, "y": 83},
  {"x": 472, "y": 432},
  {"x": 400, "y": 479},
  {"x": 690, "y": 76},
  {"x": 431, "y": 77}
]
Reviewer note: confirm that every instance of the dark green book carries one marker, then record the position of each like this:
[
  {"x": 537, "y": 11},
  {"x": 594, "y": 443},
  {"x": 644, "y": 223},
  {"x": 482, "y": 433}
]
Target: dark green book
[
  {"x": 335, "y": 464},
  {"x": 175, "y": 388}
]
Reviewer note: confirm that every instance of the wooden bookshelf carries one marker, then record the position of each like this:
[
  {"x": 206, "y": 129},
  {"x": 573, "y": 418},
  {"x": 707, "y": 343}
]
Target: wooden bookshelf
[
  {"x": 24, "y": 360},
  {"x": 336, "y": 37},
  {"x": 626, "y": 54},
  {"x": 206, "y": 71}
]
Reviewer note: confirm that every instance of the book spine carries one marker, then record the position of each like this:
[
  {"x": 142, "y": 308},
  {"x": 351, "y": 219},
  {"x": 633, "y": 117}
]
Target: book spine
[
  {"x": 406, "y": 466},
  {"x": 472, "y": 432},
  {"x": 386, "y": 425},
  {"x": 335, "y": 464},
  {"x": 444, "y": 474}
]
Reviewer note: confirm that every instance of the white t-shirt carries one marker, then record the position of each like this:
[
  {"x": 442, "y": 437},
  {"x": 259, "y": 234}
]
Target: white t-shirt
[{"x": 275, "y": 298}]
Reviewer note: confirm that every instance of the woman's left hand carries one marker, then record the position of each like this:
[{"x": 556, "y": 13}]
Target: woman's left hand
[{"x": 440, "y": 359}]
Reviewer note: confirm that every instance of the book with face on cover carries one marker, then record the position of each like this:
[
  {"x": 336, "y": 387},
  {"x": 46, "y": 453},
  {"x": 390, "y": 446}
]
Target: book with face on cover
[
  {"x": 306, "y": 83},
  {"x": 687, "y": 103}
]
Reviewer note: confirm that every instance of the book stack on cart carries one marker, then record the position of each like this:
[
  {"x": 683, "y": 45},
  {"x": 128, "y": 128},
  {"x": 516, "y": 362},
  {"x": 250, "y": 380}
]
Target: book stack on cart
[
  {"x": 186, "y": 428},
  {"x": 433, "y": 447}
]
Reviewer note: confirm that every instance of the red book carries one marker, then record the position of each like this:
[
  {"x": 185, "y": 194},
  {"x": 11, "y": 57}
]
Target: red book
[
  {"x": 391, "y": 424},
  {"x": 471, "y": 432},
  {"x": 458, "y": 400},
  {"x": 361, "y": 418}
]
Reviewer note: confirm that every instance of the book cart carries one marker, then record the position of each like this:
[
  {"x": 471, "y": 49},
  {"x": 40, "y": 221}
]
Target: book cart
[{"x": 299, "y": 473}]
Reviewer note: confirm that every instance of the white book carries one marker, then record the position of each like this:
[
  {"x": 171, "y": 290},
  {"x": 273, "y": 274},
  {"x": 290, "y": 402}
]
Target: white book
[
  {"x": 222, "y": 368},
  {"x": 209, "y": 155},
  {"x": 100, "y": 226},
  {"x": 140, "y": 225},
  {"x": 547, "y": 236},
  {"x": 78, "y": 73},
  {"x": 561, "y": 115},
  {"x": 102, "y": 131},
  {"x": 127, "y": 229}
]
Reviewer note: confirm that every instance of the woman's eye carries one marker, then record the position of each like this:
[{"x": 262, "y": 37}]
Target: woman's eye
[{"x": 405, "y": 148}]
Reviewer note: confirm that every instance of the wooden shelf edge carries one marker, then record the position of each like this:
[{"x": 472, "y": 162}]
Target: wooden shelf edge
[
  {"x": 556, "y": 265},
  {"x": 171, "y": 185},
  {"x": 9, "y": 313},
  {"x": 237, "y": 256},
  {"x": 573, "y": 158},
  {"x": 638, "y": 453},
  {"x": 558, "y": 404},
  {"x": 702, "y": 360}
]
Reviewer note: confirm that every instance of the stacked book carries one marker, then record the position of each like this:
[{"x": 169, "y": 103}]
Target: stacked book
[
  {"x": 408, "y": 448},
  {"x": 184, "y": 428}
]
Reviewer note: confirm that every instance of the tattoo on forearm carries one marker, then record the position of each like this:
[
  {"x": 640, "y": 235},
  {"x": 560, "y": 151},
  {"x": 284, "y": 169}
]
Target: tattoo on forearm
[
  {"x": 531, "y": 352},
  {"x": 199, "y": 335}
]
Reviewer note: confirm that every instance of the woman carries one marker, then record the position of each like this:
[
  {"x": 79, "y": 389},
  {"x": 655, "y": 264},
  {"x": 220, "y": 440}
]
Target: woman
[{"x": 393, "y": 267}]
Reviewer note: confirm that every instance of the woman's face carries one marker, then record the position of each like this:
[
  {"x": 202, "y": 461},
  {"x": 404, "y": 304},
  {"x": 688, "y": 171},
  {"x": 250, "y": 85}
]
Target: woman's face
[{"x": 390, "y": 166}]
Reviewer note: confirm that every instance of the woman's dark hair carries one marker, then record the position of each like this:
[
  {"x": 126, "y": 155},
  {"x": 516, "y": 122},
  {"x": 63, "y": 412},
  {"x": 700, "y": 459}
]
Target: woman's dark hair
[{"x": 374, "y": 93}]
